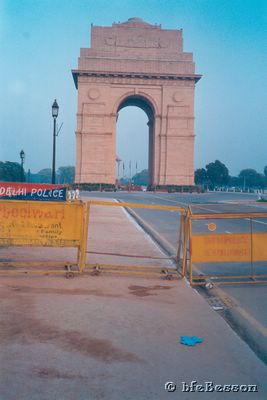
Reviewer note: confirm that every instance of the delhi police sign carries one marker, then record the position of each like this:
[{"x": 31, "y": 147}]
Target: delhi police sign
[{"x": 32, "y": 191}]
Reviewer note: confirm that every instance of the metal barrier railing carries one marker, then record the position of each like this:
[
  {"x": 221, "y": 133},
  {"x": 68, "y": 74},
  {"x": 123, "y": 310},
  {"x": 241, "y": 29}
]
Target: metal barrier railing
[
  {"x": 125, "y": 269},
  {"x": 230, "y": 247},
  {"x": 31, "y": 224},
  {"x": 43, "y": 224}
]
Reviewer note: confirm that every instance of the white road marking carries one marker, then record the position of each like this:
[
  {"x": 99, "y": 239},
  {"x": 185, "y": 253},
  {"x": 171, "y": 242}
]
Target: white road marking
[
  {"x": 209, "y": 209},
  {"x": 186, "y": 204},
  {"x": 171, "y": 201},
  {"x": 255, "y": 220},
  {"x": 259, "y": 222}
]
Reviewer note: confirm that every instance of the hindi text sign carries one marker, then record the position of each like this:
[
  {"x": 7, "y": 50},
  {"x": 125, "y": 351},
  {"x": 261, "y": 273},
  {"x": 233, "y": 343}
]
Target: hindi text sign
[{"x": 31, "y": 223}]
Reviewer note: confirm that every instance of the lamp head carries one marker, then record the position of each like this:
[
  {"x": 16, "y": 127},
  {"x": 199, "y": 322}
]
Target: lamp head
[
  {"x": 55, "y": 108},
  {"x": 22, "y": 155}
]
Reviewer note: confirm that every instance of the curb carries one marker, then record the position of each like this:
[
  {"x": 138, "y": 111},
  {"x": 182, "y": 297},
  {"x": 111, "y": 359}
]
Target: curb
[
  {"x": 162, "y": 243},
  {"x": 244, "y": 328},
  {"x": 231, "y": 315}
]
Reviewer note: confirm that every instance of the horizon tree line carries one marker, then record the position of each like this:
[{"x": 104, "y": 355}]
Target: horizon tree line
[
  {"x": 215, "y": 174},
  {"x": 11, "y": 172}
]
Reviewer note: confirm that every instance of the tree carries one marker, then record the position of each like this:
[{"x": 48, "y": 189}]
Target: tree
[
  {"x": 43, "y": 176},
  {"x": 265, "y": 171},
  {"x": 251, "y": 178},
  {"x": 141, "y": 178},
  {"x": 235, "y": 181},
  {"x": 63, "y": 175},
  {"x": 66, "y": 174},
  {"x": 10, "y": 171},
  {"x": 200, "y": 176},
  {"x": 217, "y": 173}
]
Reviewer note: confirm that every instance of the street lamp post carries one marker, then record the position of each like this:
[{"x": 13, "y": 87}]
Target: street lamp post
[
  {"x": 130, "y": 169},
  {"x": 54, "y": 115},
  {"x": 22, "y": 158},
  {"x": 118, "y": 161}
]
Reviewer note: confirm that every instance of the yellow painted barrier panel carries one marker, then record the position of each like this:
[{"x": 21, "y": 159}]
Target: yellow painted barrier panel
[
  {"x": 31, "y": 223},
  {"x": 259, "y": 252},
  {"x": 136, "y": 205},
  {"x": 221, "y": 247}
]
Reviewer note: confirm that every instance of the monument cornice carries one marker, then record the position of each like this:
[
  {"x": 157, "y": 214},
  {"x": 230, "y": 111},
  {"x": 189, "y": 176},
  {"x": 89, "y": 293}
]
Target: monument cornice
[
  {"x": 135, "y": 64},
  {"x": 78, "y": 72}
]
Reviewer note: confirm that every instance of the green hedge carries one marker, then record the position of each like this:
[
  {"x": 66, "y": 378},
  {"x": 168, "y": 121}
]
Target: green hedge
[
  {"x": 177, "y": 188},
  {"x": 94, "y": 186}
]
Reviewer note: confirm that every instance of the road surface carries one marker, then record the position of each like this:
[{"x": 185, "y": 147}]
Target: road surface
[{"x": 244, "y": 305}]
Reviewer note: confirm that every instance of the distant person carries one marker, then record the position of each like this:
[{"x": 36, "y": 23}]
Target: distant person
[
  {"x": 77, "y": 194},
  {"x": 69, "y": 194}
]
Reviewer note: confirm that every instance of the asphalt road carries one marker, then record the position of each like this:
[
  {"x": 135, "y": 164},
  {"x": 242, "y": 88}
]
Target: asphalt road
[
  {"x": 244, "y": 305},
  {"x": 167, "y": 222}
]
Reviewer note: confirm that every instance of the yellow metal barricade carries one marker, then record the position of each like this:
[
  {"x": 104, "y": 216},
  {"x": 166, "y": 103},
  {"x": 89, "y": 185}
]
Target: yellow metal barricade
[
  {"x": 44, "y": 224},
  {"x": 225, "y": 257},
  {"x": 99, "y": 268},
  {"x": 65, "y": 224}
]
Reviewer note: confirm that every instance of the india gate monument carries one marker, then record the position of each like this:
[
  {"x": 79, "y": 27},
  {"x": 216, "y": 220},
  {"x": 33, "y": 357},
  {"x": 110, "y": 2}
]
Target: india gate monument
[{"x": 136, "y": 64}]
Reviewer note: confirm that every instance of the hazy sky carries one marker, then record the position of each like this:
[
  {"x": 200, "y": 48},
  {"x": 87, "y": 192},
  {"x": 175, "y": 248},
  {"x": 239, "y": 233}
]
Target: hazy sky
[{"x": 40, "y": 43}]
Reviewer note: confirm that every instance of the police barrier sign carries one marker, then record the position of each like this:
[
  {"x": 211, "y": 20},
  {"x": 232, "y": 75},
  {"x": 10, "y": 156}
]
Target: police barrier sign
[
  {"x": 235, "y": 247},
  {"x": 32, "y": 223},
  {"x": 32, "y": 191}
]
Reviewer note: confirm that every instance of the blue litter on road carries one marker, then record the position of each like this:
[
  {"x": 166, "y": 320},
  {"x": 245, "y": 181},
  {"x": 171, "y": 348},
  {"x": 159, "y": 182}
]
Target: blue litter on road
[{"x": 190, "y": 340}]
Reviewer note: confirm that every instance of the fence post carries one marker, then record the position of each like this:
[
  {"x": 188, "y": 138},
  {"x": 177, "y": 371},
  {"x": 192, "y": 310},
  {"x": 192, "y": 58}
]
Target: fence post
[
  {"x": 83, "y": 247},
  {"x": 185, "y": 245},
  {"x": 190, "y": 255},
  {"x": 181, "y": 231},
  {"x": 251, "y": 251}
]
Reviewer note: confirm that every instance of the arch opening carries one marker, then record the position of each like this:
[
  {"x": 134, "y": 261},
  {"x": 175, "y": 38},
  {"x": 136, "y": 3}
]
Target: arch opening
[{"x": 134, "y": 116}]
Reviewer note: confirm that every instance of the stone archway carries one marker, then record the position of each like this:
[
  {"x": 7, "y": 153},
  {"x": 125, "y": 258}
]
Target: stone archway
[
  {"x": 145, "y": 104},
  {"x": 135, "y": 63}
]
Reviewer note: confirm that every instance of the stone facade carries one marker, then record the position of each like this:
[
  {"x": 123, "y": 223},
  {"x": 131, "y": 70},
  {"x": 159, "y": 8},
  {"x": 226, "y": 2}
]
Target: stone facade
[{"x": 135, "y": 63}]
